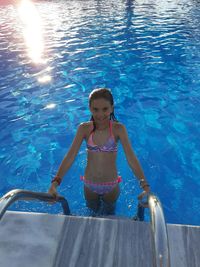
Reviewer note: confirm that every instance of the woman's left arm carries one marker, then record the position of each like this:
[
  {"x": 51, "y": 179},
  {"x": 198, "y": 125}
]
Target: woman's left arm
[{"x": 131, "y": 157}]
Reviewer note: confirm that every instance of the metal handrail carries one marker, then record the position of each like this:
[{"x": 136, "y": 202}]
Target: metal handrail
[
  {"x": 158, "y": 225},
  {"x": 18, "y": 194},
  {"x": 159, "y": 231}
]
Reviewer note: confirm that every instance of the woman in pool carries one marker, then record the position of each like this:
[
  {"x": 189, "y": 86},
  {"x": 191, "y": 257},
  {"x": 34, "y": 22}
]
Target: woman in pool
[{"x": 101, "y": 180}]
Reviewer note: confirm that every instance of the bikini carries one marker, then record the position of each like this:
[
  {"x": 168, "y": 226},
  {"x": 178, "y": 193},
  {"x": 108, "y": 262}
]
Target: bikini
[{"x": 109, "y": 146}]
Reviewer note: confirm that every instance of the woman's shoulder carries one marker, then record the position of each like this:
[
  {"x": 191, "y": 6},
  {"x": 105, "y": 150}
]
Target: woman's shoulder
[
  {"x": 85, "y": 126},
  {"x": 118, "y": 129},
  {"x": 118, "y": 126}
]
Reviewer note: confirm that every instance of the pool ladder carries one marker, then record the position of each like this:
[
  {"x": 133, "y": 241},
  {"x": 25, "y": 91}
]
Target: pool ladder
[
  {"x": 18, "y": 194},
  {"x": 161, "y": 255}
]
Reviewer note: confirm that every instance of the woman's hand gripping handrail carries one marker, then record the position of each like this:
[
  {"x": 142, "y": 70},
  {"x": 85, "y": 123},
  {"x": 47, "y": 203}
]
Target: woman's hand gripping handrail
[
  {"x": 158, "y": 227},
  {"x": 19, "y": 194}
]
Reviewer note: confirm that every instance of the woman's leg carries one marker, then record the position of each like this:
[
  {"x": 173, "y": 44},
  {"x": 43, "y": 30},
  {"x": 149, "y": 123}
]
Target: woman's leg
[
  {"x": 109, "y": 200},
  {"x": 92, "y": 199}
]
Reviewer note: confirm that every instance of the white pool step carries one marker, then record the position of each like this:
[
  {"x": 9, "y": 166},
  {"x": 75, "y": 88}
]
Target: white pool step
[{"x": 44, "y": 240}]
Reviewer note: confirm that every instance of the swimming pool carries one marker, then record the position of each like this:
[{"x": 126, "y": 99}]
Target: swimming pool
[{"x": 53, "y": 53}]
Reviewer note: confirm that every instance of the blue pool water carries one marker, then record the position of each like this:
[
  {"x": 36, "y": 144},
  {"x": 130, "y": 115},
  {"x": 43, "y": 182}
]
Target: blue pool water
[{"x": 53, "y": 53}]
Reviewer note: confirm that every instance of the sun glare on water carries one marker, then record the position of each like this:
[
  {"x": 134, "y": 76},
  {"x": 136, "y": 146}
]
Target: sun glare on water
[
  {"x": 32, "y": 30},
  {"x": 33, "y": 35}
]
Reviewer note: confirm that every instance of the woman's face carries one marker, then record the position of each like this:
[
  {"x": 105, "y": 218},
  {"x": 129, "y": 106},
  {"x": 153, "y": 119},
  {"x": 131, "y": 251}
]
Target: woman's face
[{"x": 101, "y": 110}]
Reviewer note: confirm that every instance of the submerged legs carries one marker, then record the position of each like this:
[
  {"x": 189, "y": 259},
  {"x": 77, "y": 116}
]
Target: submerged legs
[{"x": 102, "y": 204}]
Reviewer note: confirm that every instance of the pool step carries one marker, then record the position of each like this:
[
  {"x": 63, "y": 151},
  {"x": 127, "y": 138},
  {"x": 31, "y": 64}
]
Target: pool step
[{"x": 38, "y": 240}]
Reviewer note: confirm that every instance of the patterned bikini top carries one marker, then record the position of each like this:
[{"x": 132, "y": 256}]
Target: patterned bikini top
[{"x": 109, "y": 146}]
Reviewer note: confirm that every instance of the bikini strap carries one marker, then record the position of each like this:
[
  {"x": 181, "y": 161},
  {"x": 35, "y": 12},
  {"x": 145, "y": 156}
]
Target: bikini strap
[
  {"x": 92, "y": 127},
  {"x": 90, "y": 138},
  {"x": 110, "y": 128}
]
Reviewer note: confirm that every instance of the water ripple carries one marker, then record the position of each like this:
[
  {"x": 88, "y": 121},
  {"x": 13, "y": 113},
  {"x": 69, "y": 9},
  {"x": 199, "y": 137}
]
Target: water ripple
[{"x": 147, "y": 52}]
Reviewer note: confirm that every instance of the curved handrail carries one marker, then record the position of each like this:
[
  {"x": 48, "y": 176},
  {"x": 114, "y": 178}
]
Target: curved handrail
[
  {"x": 159, "y": 231},
  {"x": 18, "y": 194}
]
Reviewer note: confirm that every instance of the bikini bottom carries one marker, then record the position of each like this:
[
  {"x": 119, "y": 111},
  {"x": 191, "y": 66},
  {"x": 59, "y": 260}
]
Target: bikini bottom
[{"x": 101, "y": 188}]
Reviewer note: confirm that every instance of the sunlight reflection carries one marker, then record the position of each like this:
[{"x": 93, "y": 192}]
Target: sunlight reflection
[
  {"x": 32, "y": 30},
  {"x": 50, "y": 106},
  {"x": 44, "y": 79}
]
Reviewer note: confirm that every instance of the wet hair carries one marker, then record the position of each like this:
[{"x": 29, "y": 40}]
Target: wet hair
[{"x": 105, "y": 94}]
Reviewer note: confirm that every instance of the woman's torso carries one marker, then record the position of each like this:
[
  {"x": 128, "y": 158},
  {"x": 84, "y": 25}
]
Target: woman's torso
[{"x": 101, "y": 165}]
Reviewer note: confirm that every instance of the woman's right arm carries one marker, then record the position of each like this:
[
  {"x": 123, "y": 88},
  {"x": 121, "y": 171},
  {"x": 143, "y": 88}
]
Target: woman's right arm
[{"x": 68, "y": 159}]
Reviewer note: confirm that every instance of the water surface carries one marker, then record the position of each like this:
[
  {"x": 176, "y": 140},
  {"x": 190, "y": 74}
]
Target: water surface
[{"x": 53, "y": 53}]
